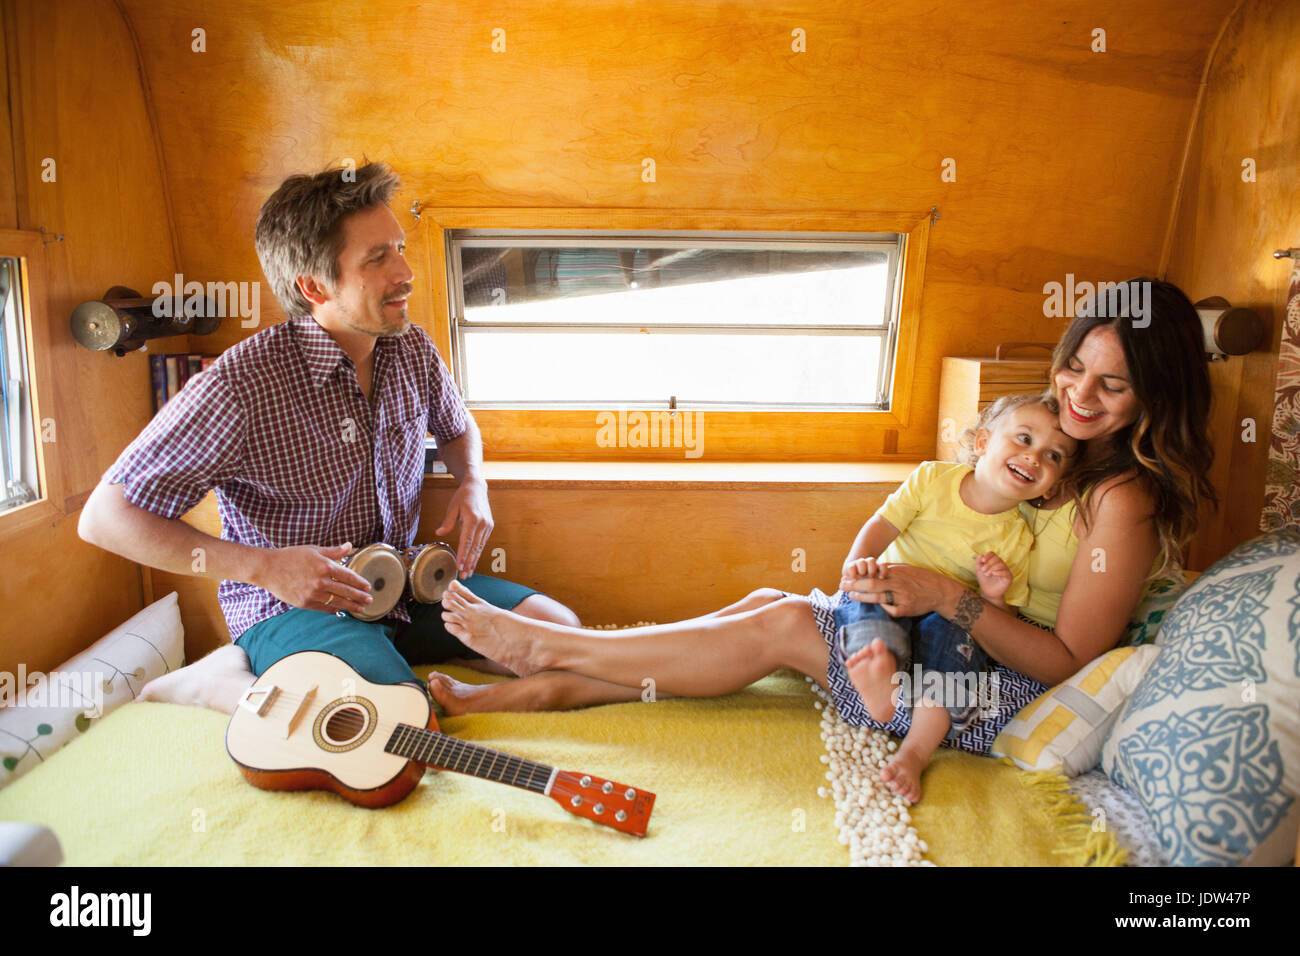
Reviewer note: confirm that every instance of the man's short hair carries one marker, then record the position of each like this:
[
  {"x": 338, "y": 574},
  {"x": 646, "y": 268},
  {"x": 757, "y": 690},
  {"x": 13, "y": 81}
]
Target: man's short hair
[{"x": 300, "y": 228}]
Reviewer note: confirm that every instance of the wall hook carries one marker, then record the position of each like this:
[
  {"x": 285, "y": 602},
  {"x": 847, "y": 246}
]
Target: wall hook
[
  {"x": 415, "y": 209},
  {"x": 48, "y": 237}
]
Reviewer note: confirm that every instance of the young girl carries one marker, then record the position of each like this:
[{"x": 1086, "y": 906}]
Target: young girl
[{"x": 941, "y": 518}]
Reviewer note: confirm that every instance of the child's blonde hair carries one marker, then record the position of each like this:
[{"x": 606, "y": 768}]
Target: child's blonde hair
[{"x": 990, "y": 416}]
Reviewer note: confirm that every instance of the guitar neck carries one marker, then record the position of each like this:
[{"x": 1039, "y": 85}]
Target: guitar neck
[
  {"x": 450, "y": 753},
  {"x": 602, "y": 801}
]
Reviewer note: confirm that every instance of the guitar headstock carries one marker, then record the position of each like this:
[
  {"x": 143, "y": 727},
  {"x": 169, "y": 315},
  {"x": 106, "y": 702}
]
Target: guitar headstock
[{"x": 603, "y": 801}]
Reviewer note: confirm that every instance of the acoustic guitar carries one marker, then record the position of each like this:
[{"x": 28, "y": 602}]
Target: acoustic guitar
[{"x": 311, "y": 722}]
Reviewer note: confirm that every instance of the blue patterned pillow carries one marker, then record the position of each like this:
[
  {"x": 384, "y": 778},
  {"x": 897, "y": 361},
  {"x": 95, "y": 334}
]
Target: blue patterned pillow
[
  {"x": 1210, "y": 739},
  {"x": 1158, "y": 600}
]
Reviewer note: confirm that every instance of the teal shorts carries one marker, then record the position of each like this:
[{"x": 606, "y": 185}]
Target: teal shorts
[{"x": 380, "y": 651}]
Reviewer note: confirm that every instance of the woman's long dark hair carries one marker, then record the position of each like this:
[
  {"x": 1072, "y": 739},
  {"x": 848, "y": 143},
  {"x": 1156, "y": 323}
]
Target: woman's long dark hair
[{"x": 1167, "y": 448}]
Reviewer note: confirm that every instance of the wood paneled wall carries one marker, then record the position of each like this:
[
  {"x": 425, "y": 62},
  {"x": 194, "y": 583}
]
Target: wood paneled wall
[
  {"x": 75, "y": 97},
  {"x": 1225, "y": 234},
  {"x": 1066, "y": 161},
  {"x": 1065, "y": 158}
]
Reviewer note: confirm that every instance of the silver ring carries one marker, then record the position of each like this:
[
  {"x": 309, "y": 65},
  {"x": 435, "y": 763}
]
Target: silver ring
[{"x": 889, "y": 597}]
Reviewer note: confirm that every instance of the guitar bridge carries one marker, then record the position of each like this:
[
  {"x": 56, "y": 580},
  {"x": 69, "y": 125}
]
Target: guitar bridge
[
  {"x": 260, "y": 700},
  {"x": 307, "y": 698}
]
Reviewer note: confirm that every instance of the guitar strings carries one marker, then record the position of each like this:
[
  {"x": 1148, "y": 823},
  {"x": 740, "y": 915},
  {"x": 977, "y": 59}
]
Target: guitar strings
[
  {"x": 513, "y": 771},
  {"x": 458, "y": 750}
]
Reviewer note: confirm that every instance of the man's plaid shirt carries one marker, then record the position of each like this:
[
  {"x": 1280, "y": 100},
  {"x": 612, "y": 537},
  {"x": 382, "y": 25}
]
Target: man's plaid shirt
[{"x": 280, "y": 428}]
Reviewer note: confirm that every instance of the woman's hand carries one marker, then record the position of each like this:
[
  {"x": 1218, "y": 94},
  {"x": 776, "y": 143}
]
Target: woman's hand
[{"x": 908, "y": 591}]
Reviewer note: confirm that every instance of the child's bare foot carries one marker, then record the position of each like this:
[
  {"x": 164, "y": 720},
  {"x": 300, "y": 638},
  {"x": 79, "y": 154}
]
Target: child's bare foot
[
  {"x": 498, "y": 635},
  {"x": 903, "y": 774},
  {"x": 872, "y": 672}
]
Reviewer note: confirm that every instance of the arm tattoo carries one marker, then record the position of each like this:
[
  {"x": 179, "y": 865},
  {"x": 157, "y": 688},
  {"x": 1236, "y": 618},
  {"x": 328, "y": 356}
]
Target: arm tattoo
[{"x": 969, "y": 607}]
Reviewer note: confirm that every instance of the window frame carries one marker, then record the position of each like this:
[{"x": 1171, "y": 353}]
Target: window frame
[
  {"x": 28, "y": 248},
  {"x": 569, "y": 434},
  {"x": 891, "y": 245}
]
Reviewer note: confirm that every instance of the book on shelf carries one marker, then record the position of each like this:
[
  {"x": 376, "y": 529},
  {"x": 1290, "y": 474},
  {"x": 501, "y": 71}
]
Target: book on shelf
[
  {"x": 433, "y": 463},
  {"x": 169, "y": 373}
]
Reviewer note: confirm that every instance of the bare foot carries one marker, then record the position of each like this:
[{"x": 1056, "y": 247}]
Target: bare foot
[
  {"x": 498, "y": 635},
  {"x": 482, "y": 665},
  {"x": 457, "y": 697},
  {"x": 216, "y": 681},
  {"x": 872, "y": 672},
  {"x": 547, "y": 690},
  {"x": 903, "y": 774}
]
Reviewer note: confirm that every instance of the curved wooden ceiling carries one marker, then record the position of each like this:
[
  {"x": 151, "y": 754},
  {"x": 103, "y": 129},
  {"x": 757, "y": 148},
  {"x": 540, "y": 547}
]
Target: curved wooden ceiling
[{"x": 1066, "y": 158}]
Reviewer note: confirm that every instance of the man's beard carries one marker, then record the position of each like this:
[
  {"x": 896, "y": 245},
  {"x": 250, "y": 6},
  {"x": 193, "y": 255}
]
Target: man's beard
[
  {"x": 385, "y": 330},
  {"x": 400, "y": 330}
]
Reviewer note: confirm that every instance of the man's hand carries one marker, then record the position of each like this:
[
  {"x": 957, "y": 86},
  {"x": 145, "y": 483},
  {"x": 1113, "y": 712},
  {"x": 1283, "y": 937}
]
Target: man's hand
[
  {"x": 308, "y": 577},
  {"x": 469, "y": 506}
]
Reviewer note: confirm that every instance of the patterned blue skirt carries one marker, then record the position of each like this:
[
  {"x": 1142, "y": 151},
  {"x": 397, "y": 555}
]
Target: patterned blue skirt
[{"x": 1015, "y": 690}]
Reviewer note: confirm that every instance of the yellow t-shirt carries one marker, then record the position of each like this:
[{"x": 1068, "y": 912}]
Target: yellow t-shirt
[
  {"x": 938, "y": 530},
  {"x": 1052, "y": 558}
]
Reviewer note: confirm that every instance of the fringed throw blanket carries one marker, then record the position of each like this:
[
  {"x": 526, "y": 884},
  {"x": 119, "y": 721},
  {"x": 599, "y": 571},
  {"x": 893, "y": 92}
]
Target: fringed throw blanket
[
  {"x": 1282, "y": 481},
  {"x": 974, "y": 811}
]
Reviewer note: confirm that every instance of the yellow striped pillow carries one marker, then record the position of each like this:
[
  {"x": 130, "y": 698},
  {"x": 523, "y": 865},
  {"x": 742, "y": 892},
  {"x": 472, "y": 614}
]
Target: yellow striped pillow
[{"x": 1066, "y": 727}]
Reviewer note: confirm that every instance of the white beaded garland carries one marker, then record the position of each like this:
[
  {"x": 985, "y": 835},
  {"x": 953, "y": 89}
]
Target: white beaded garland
[{"x": 871, "y": 820}]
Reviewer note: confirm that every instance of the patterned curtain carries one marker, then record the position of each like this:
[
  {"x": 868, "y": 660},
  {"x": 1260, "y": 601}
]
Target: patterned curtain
[{"x": 1282, "y": 481}]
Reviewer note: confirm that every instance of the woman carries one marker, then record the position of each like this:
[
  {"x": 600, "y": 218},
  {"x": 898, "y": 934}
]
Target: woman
[{"x": 1134, "y": 393}]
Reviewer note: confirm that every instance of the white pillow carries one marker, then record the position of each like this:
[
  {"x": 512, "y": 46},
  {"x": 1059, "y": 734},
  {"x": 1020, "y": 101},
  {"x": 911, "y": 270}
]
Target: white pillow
[
  {"x": 1066, "y": 727},
  {"x": 39, "y": 713}
]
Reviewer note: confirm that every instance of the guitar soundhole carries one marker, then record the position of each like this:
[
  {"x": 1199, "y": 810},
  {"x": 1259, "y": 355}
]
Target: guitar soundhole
[{"x": 344, "y": 724}]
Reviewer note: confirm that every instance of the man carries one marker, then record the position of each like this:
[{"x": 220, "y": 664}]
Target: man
[{"x": 312, "y": 433}]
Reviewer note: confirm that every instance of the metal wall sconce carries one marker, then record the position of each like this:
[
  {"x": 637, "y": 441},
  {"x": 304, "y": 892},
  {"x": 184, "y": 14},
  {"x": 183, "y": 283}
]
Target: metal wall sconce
[
  {"x": 124, "y": 320},
  {"x": 1229, "y": 330}
]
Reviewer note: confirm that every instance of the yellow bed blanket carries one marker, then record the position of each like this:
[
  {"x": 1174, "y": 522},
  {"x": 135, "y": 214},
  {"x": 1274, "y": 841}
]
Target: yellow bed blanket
[{"x": 736, "y": 780}]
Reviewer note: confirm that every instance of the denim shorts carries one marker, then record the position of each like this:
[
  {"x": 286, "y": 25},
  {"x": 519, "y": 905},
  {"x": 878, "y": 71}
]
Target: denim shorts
[{"x": 938, "y": 661}]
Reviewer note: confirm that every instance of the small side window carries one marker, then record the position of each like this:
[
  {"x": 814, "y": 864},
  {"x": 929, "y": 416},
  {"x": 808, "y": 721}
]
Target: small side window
[{"x": 17, "y": 430}]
